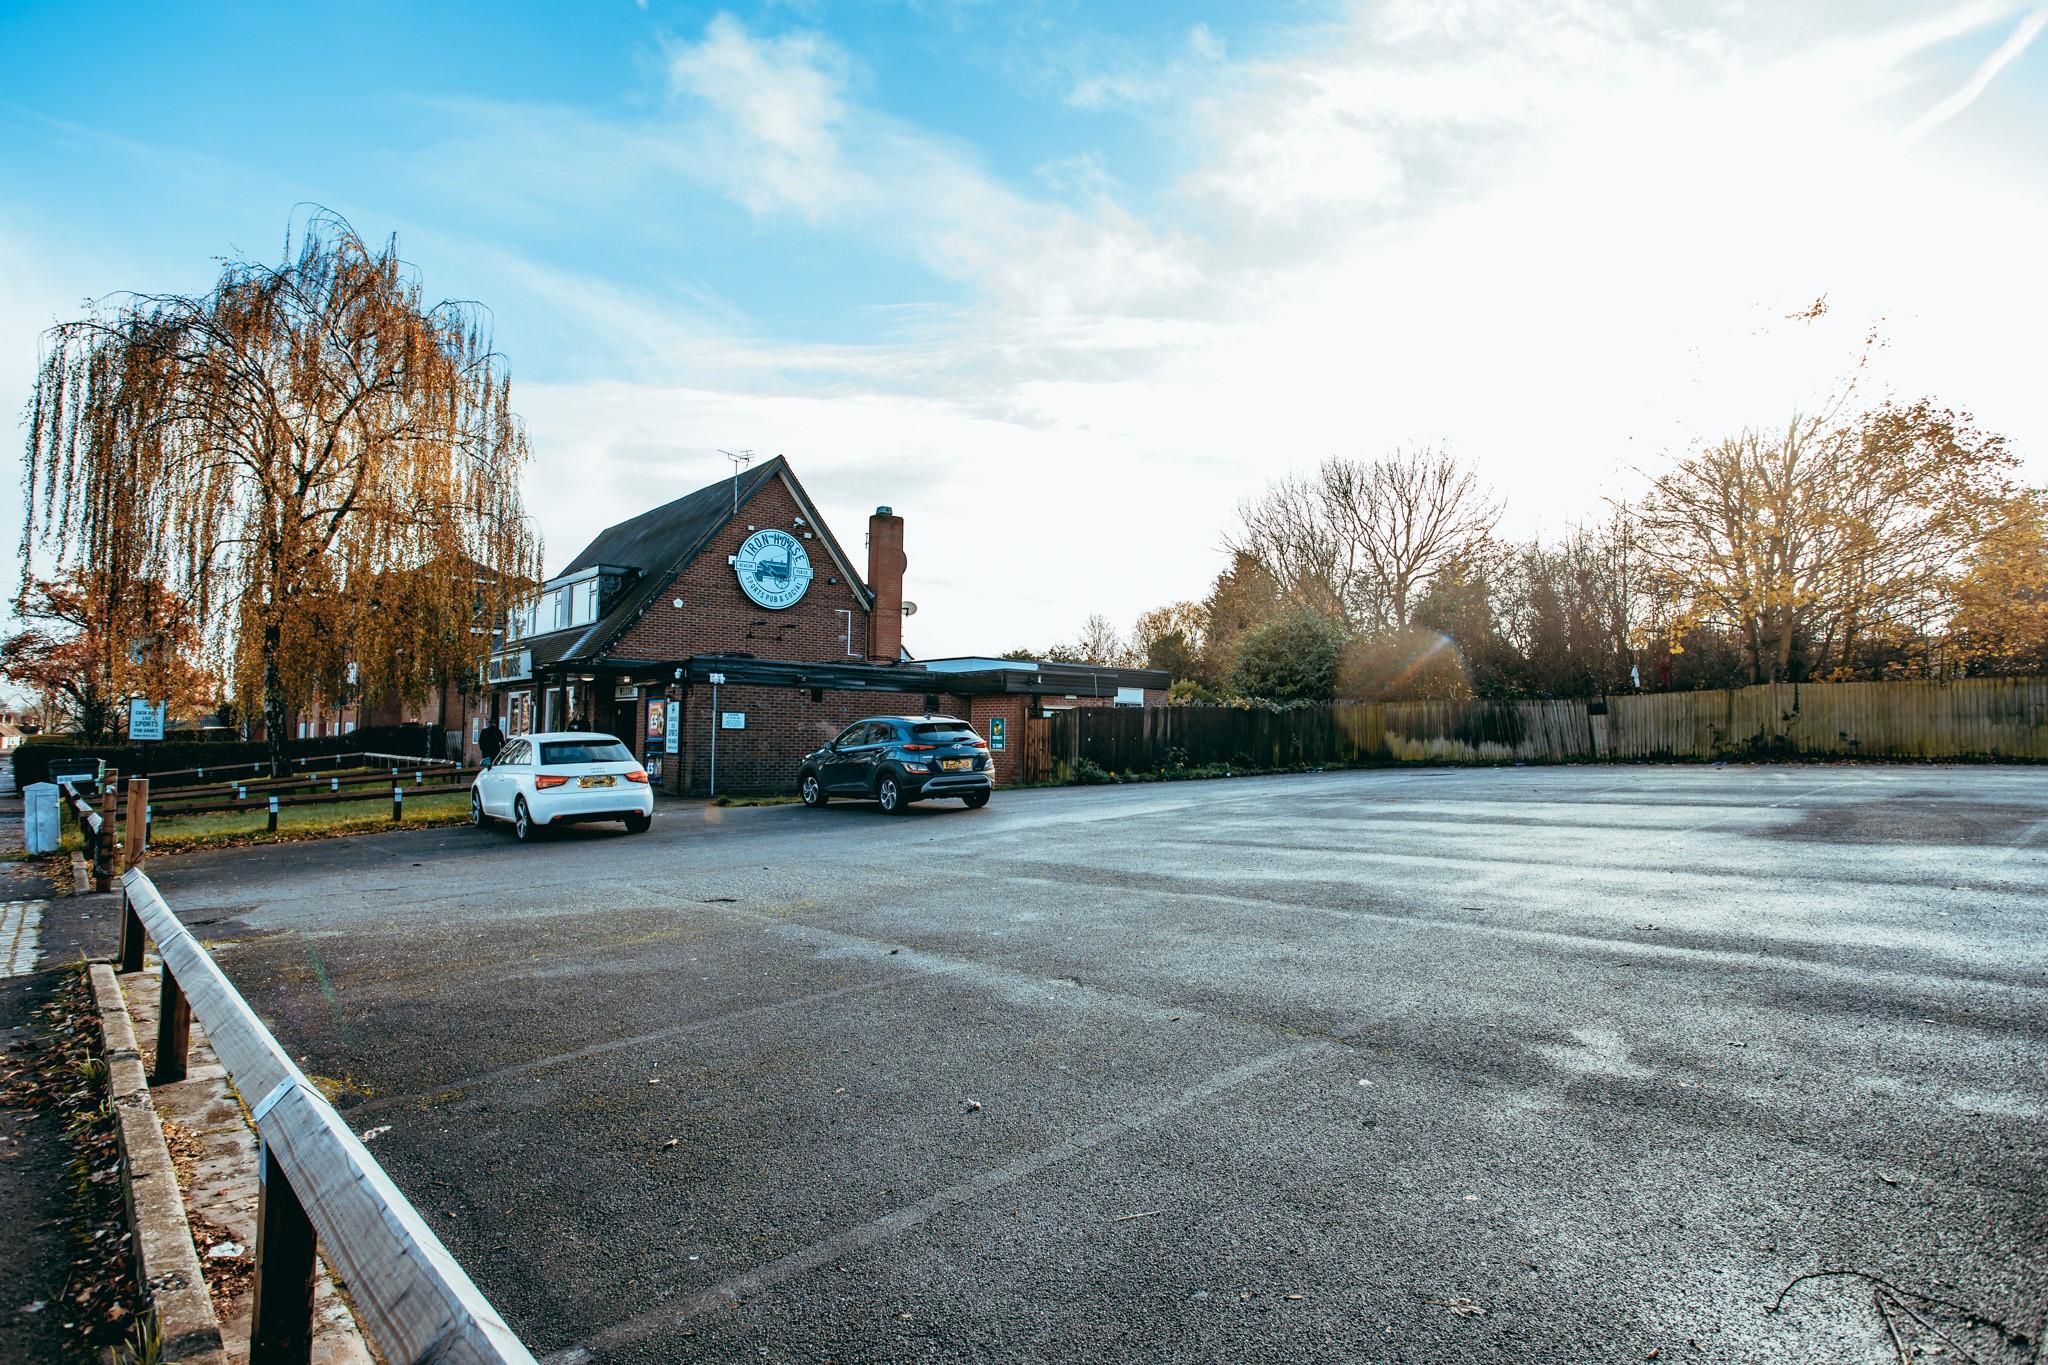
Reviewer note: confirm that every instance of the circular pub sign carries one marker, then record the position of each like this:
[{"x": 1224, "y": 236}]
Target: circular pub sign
[{"x": 773, "y": 569}]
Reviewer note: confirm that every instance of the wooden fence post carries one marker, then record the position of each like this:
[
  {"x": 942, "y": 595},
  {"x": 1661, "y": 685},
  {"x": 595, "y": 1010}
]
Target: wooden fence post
[
  {"x": 132, "y": 934},
  {"x": 135, "y": 834},
  {"x": 281, "y": 1318},
  {"x": 173, "y": 1028},
  {"x": 102, "y": 854}
]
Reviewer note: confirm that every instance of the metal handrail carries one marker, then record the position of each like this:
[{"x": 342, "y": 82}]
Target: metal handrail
[{"x": 320, "y": 1184}]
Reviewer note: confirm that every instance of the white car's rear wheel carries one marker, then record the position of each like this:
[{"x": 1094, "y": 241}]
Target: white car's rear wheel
[
  {"x": 476, "y": 811},
  {"x": 522, "y": 822}
]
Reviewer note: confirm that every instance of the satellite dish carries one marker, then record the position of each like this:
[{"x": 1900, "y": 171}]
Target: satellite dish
[{"x": 910, "y": 608}]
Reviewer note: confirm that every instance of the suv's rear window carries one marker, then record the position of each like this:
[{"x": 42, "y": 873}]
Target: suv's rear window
[
  {"x": 584, "y": 751},
  {"x": 945, "y": 730}
]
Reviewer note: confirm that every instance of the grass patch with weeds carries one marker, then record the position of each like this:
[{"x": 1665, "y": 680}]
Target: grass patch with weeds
[{"x": 234, "y": 829}]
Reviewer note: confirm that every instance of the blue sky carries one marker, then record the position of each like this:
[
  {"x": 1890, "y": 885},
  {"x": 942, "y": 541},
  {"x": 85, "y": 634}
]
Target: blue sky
[{"x": 1053, "y": 275}]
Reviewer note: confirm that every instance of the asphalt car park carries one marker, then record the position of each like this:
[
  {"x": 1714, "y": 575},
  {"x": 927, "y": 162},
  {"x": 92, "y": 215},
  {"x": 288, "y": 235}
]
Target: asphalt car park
[{"x": 1517, "y": 1064}]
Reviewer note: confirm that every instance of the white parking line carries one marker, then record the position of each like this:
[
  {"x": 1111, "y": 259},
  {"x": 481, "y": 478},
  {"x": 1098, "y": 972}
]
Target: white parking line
[
  {"x": 21, "y": 925},
  {"x": 877, "y": 1230}
]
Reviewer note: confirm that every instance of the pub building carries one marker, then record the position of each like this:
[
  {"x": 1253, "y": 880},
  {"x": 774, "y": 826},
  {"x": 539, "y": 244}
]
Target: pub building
[{"x": 733, "y": 620}]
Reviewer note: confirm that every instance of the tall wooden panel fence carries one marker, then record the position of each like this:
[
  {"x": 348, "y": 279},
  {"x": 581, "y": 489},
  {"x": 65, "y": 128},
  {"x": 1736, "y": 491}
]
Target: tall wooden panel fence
[{"x": 1978, "y": 719}]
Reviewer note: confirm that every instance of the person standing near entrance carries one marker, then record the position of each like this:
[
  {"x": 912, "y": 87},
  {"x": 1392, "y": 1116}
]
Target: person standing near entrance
[{"x": 490, "y": 742}]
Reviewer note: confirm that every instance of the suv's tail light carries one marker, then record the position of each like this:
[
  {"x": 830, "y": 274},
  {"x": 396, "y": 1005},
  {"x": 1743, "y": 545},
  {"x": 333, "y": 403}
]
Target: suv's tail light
[
  {"x": 637, "y": 775},
  {"x": 919, "y": 748},
  {"x": 545, "y": 780}
]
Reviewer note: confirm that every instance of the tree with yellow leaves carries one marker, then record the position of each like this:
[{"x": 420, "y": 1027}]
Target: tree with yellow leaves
[
  {"x": 278, "y": 453},
  {"x": 2000, "y": 603},
  {"x": 1820, "y": 542}
]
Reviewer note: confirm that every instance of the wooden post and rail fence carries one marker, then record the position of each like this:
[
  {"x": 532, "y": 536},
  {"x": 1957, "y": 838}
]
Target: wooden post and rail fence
[
  {"x": 271, "y": 797},
  {"x": 321, "y": 1190}
]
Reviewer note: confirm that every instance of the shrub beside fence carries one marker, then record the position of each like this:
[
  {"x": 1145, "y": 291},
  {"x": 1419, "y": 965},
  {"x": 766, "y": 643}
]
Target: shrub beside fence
[{"x": 1977, "y": 719}]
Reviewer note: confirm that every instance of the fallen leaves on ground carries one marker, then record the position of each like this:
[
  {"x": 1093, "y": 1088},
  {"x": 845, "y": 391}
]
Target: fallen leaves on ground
[
  {"x": 229, "y": 1267},
  {"x": 64, "y": 1076}
]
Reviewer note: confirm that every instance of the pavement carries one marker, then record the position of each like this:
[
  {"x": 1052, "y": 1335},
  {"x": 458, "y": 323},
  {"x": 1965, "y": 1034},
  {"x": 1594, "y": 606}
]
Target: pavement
[
  {"x": 1533, "y": 1064},
  {"x": 35, "y": 1186}
]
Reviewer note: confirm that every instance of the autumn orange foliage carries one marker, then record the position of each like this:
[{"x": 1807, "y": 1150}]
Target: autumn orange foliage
[{"x": 321, "y": 467}]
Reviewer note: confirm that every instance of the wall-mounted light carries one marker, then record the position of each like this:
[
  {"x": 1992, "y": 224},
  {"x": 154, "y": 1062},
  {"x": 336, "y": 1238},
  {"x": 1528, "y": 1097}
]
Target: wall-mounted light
[{"x": 676, "y": 602}]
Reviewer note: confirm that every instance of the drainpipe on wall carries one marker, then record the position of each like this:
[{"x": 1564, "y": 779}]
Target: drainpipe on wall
[{"x": 716, "y": 679}]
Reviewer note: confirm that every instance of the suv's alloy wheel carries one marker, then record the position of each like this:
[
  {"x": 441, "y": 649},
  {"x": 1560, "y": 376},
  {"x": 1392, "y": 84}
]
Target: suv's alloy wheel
[{"x": 890, "y": 795}]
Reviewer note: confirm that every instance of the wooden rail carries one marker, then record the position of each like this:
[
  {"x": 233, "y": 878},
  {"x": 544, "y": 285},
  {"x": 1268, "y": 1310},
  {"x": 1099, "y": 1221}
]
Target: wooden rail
[
  {"x": 97, "y": 836},
  {"x": 321, "y": 1187},
  {"x": 391, "y": 762}
]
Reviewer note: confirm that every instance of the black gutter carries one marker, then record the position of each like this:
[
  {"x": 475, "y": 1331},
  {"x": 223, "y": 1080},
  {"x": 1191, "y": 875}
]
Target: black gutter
[{"x": 1077, "y": 682}]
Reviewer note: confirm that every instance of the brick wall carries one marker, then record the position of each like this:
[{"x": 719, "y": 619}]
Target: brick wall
[
  {"x": 717, "y": 618},
  {"x": 783, "y": 724}
]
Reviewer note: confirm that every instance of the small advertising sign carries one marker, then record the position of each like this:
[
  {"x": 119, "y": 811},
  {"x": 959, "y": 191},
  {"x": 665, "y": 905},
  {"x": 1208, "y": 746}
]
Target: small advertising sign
[
  {"x": 144, "y": 720},
  {"x": 997, "y": 727},
  {"x": 673, "y": 741},
  {"x": 657, "y": 718},
  {"x": 732, "y": 720}
]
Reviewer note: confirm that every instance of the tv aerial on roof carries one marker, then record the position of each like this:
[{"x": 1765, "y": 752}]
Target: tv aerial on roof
[{"x": 740, "y": 460}]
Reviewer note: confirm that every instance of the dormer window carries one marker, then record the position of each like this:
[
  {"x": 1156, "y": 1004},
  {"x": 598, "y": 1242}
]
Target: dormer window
[{"x": 578, "y": 602}]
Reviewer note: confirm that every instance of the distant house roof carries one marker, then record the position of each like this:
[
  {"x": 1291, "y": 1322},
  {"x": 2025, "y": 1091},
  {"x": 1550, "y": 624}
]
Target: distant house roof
[
  {"x": 978, "y": 663},
  {"x": 659, "y": 544}
]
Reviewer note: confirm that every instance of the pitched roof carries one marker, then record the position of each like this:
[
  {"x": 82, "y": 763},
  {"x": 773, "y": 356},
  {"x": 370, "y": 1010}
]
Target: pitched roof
[
  {"x": 654, "y": 539},
  {"x": 661, "y": 543}
]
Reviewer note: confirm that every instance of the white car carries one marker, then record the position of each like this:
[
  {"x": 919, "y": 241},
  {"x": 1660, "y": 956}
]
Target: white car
[{"x": 562, "y": 778}]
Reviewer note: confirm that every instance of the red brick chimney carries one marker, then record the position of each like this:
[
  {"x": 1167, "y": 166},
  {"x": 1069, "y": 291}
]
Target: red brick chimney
[{"x": 885, "y": 579}]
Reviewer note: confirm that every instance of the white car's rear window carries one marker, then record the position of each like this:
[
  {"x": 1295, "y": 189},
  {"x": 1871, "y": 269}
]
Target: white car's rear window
[{"x": 569, "y": 751}]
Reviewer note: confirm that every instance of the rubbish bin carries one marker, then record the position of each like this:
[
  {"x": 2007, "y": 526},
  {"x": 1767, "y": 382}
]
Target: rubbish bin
[{"x": 39, "y": 827}]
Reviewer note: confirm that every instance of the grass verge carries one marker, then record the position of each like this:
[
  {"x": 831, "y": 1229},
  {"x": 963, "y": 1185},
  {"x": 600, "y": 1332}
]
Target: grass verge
[{"x": 234, "y": 829}]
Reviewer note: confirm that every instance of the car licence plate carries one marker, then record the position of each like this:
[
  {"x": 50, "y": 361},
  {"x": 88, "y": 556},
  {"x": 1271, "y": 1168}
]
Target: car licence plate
[
  {"x": 954, "y": 765},
  {"x": 596, "y": 781}
]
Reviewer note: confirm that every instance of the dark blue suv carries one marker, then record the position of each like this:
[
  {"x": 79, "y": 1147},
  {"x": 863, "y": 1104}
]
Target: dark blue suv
[{"x": 900, "y": 759}]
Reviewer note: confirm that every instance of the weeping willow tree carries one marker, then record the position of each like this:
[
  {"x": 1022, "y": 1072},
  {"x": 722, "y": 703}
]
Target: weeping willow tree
[{"x": 322, "y": 466}]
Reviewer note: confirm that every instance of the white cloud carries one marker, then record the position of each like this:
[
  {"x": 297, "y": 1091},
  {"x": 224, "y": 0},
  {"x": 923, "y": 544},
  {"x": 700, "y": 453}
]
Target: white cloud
[
  {"x": 1564, "y": 244},
  {"x": 775, "y": 106},
  {"x": 1562, "y": 241},
  {"x": 1987, "y": 71}
]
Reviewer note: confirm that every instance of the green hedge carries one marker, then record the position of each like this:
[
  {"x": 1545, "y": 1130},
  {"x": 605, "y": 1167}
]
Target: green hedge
[{"x": 38, "y": 753}]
